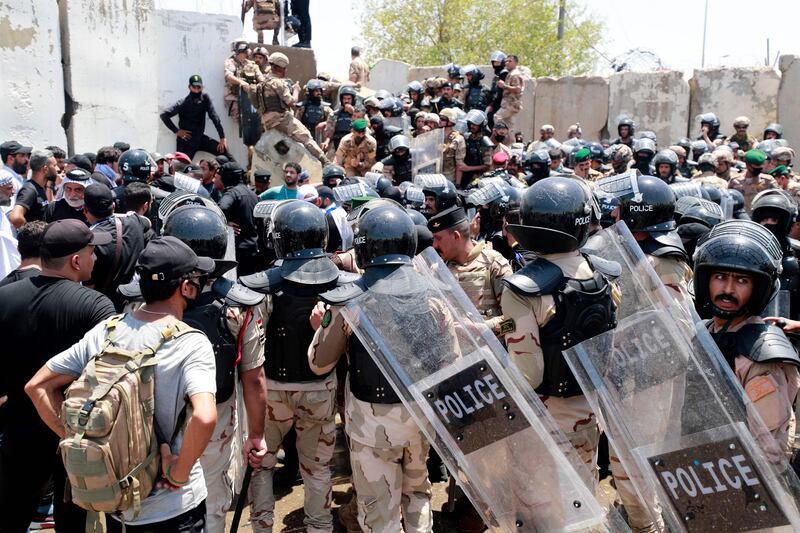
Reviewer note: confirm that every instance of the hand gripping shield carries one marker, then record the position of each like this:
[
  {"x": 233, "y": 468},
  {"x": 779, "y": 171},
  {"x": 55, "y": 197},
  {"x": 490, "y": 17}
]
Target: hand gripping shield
[
  {"x": 426, "y": 153},
  {"x": 474, "y": 406},
  {"x": 686, "y": 433}
]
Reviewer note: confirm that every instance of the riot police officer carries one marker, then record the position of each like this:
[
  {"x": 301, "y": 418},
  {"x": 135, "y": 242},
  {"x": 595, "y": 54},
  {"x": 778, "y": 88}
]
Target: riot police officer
[
  {"x": 651, "y": 220},
  {"x": 439, "y": 197},
  {"x": 477, "y": 96},
  {"x": 736, "y": 270},
  {"x": 478, "y": 158},
  {"x": 397, "y": 167},
  {"x": 626, "y": 128},
  {"x": 446, "y": 101},
  {"x": 665, "y": 163},
  {"x": 341, "y": 121},
  {"x": 313, "y": 112},
  {"x": 134, "y": 165},
  {"x": 644, "y": 150},
  {"x": 777, "y": 212},
  {"x": 296, "y": 396},
  {"x": 231, "y": 317},
  {"x": 537, "y": 165},
  {"x": 387, "y": 449}
]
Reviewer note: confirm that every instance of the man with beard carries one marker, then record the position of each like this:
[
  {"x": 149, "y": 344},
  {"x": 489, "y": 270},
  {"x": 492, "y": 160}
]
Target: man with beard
[
  {"x": 191, "y": 112},
  {"x": 32, "y": 198},
  {"x": 287, "y": 191},
  {"x": 71, "y": 204},
  {"x": 735, "y": 274},
  {"x": 15, "y": 162},
  {"x": 356, "y": 152}
]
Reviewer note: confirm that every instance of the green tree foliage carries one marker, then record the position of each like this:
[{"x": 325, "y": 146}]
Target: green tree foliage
[{"x": 437, "y": 32}]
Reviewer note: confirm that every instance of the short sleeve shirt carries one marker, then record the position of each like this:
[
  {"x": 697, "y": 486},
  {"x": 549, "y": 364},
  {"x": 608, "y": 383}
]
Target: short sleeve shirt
[{"x": 33, "y": 198}]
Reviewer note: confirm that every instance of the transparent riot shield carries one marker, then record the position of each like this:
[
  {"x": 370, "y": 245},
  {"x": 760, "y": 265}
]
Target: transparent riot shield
[
  {"x": 345, "y": 193},
  {"x": 403, "y": 122},
  {"x": 474, "y": 406},
  {"x": 429, "y": 181},
  {"x": 186, "y": 183},
  {"x": 426, "y": 152},
  {"x": 727, "y": 204},
  {"x": 687, "y": 435},
  {"x": 780, "y": 305}
]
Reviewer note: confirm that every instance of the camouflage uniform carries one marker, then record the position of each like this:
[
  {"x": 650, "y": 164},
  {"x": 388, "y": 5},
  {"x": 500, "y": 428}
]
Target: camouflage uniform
[
  {"x": 274, "y": 101},
  {"x": 247, "y": 71},
  {"x": 220, "y": 457},
  {"x": 455, "y": 149},
  {"x": 511, "y": 103},
  {"x": 573, "y": 414},
  {"x": 388, "y": 452},
  {"x": 359, "y": 69},
  {"x": 746, "y": 142},
  {"x": 350, "y": 152},
  {"x": 710, "y": 178},
  {"x": 749, "y": 187},
  {"x": 481, "y": 277}
]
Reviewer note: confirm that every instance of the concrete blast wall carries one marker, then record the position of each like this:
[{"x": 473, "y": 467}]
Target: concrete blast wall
[
  {"x": 789, "y": 99},
  {"x": 565, "y": 101}
]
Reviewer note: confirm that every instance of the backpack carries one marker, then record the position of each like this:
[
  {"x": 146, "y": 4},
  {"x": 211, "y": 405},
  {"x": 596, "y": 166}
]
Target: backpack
[{"x": 110, "y": 450}]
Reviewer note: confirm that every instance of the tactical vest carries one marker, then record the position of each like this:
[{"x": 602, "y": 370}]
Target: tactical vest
[
  {"x": 475, "y": 98},
  {"x": 474, "y": 154},
  {"x": 367, "y": 382},
  {"x": 268, "y": 101},
  {"x": 248, "y": 72},
  {"x": 584, "y": 309},
  {"x": 400, "y": 167},
  {"x": 289, "y": 333},
  {"x": 312, "y": 114},
  {"x": 344, "y": 122},
  {"x": 761, "y": 343},
  {"x": 210, "y": 319}
]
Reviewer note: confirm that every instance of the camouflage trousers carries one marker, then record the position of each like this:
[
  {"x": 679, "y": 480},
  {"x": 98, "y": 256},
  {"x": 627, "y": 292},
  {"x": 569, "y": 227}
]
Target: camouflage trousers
[
  {"x": 219, "y": 466},
  {"x": 506, "y": 116},
  {"x": 287, "y": 124},
  {"x": 312, "y": 414},
  {"x": 576, "y": 419},
  {"x": 388, "y": 480}
]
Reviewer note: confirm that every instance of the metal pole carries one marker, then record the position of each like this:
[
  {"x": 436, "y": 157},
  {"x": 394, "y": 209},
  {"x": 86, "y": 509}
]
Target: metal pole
[
  {"x": 561, "y": 15},
  {"x": 766, "y": 63},
  {"x": 705, "y": 25}
]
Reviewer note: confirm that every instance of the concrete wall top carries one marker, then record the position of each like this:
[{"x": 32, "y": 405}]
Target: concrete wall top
[
  {"x": 657, "y": 101},
  {"x": 789, "y": 98},
  {"x": 733, "y": 92},
  {"x": 422, "y": 73},
  {"x": 569, "y": 100},
  {"x": 111, "y": 58},
  {"x": 32, "y": 89}
]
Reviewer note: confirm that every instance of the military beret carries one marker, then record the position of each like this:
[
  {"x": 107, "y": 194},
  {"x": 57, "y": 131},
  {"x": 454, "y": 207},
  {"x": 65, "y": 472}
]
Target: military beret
[
  {"x": 447, "y": 219},
  {"x": 755, "y": 157},
  {"x": 583, "y": 155},
  {"x": 360, "y": 124},
  {"x": 780, "y": 170}
]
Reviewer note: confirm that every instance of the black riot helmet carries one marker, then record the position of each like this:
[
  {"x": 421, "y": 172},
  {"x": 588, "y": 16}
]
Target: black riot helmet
[
  {"x": 738, "y": 204},
  {"x": 710, "y": 120},
  {"x": 774, "y": 203},
  {"x": 135, "y": 165},
  {"x": 704, "y": 212},
  {"x": 555, "y": 214},
  {"x": 510, "y": 201},
  {"x": 415, "y": 87},
  {"x": 477, "y": 117},
  {"x": 299, "y": 230},
  {"x": 445, "y": 194},
  {"x": 474, "y": 75},
  {"x": 740, "y": 246},
  {"x": 201, "y": 228},
  {"x": 398, "y": 142},
  {"x": 417, "y": 217},
  {"x": 598, "y": 152},
  {"x": 538, "y": 162},
  {"x": 685, "y": 143},
  {"x": 627, "y": 121},
  {"x": 382, "y": 94},
  {"x": 666, "y": 157},
  {"x": 385, "y": 235},
  {"x": 774, "y": 128},
  {"x": 454, "y": 71},
  {"x": 331, "y": 173},
  {"x": 347, "y": 89},
  {"x": 655, "y": 209}
]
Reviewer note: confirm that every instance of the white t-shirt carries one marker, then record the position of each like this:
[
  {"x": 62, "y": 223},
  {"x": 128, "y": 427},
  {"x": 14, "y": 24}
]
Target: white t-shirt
[{"x": 185, "y": 367}]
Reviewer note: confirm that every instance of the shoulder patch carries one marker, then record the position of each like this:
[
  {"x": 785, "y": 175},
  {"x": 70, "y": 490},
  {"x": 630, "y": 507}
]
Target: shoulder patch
[
  {"x": 508, "y": 326},
  {"x": 326, "y": 318}
]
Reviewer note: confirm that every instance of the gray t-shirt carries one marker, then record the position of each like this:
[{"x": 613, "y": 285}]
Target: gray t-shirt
[{"x": 185, "y": 368}]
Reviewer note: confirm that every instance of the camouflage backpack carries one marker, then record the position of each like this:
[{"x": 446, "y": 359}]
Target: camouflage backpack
[{"x": 110, "y": 450}]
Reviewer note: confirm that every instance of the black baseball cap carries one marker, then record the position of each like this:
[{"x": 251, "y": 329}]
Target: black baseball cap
[
  {"x": 169, "y": 258},
  {"x": 13, "y": 147},
  {"x": 325, "y": 192},
  {"x": 195, "y": 80},
  {"x": 81, "y": 161},
  {"x": 447, "y": 219},
  {"x": 66, "y": 237},
  {"x": 99, "y": 201},
  {"x": 262, "y": 176}
]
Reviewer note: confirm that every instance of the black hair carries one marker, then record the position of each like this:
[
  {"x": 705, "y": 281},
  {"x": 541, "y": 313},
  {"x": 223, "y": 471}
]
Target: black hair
[
  {"x": 29, "y": 239},
  {"x": 136, "y": 195},
  {"x": 158, "y": 290}
]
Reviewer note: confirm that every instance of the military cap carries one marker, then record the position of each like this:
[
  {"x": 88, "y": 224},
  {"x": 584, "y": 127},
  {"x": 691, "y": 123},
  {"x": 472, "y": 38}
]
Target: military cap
[
  {"x": 755, "y": 157},
  {"x": 278, "y": 59},
  {"x": 583, "y": 155},
  {"x": 447, "y": 219},
  {"x": 780, "y": 170},
  {"x": 359, "y": 124}
]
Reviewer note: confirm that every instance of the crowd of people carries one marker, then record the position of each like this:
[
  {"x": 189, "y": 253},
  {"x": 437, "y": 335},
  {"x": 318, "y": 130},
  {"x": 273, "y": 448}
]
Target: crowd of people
[{"x": 149, "y": 299}]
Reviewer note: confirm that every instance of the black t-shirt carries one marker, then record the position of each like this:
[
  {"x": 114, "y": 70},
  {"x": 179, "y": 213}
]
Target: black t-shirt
[
  {"x": 40, "y": 317},
  {"x": 133, "y": 230},
  {"x": 18, "y": 275},
  {"x": 33, "y": 198},
  {"x": 237, "y": 203},
  {"x": 61, "y": 210}
]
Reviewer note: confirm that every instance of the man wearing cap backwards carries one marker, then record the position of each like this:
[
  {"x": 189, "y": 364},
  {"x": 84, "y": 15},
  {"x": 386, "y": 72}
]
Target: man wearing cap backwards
[
  {"x": 745, "y": 141},
  {"x": 356, "y": 152},
  {"x": 40, "y": 317},
  {"x": 275, "y": 100},
  {"x": 240, "y": 73},
  {"x": 455, "y": 147},
  {"x": 32, "y": 198},
  {"x": 753, "y": 181},
  {"x": 171, "y": 279},
  {"x": 71, "y": 204},
  {"x": 191, "y": 112}
]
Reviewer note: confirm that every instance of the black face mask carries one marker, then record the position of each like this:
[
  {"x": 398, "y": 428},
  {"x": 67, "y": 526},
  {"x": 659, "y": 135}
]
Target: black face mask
[{"x": 500, "y": 138}]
